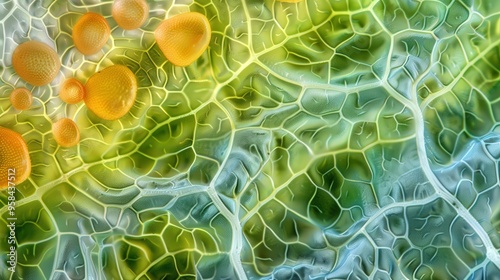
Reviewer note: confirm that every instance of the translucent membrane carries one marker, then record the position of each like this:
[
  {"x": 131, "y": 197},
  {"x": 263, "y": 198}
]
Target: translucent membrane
[
  {"x": 66, "y": 132},
  {"x": 15, "y": 163},
  {"x": 111, "y": 92},
  {"x": 72, "y": 91},
  {"x": 183, "y": 38},
  {"x": 130, "y": 14},
  {"x": 90, "y": 33},
  {"x": 36, "y": 62},
  {"x": 290, "y": 1},
  {"x": 21, "y": 98}
]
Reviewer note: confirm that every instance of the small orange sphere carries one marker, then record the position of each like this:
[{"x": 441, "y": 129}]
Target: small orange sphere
[
  {"x": 130, "y": 14},
  {"x": 90, "y": 33},
  {"x": 111, "y": 92},
  {"x": 15, "y": 163},
  {"x": 66, "y": 132},
  {"x": 183, "y": 38},
  {"x": 72, "y": 91},
  {"x": 36, "y": 62},
  {"x": 21, "y": 98}
]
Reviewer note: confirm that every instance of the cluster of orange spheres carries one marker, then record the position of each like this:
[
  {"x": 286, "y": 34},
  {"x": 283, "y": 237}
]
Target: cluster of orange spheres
[{"x": 109, "y": 93}]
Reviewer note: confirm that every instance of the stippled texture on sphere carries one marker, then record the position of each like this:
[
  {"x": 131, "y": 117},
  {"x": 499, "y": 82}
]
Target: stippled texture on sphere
[
  {"x": 72, "y": 91},
  {"x": 36, "y": 62},
  {"x": 21, "y": 98},
  {"x": 91, "y": 33},
  {"x": 66, "y": 133},
  {"x": 183, "y": 38},
  {"x": 13, "y": 155},
  {"x": 130, "y": 14},
  {"x": 110, "y": 93}
]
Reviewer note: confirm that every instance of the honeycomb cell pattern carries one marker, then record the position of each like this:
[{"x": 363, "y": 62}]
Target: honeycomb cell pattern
[
  {"x": 36, "y": 62},
  {"x": 71, "y": 91},
  {"x": 15, "y": 164},
  {"x": 21, "y": 98},
  {"x": 66, "y": 132}
]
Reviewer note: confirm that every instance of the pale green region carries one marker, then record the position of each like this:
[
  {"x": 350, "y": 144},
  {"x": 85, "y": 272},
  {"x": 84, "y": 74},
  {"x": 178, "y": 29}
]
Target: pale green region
[
  {"x": 341, "y": 139},
  {"x": 36, "y": 252},
  {"x": 398, "y": 16}
]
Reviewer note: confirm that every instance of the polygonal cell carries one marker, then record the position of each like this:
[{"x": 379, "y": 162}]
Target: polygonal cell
[
  {"x": 456, "y": 16},
  {"x": 356, "y": 260},
  {"x": 69, "y": 257},
  {"x": 395, "y": 121}
]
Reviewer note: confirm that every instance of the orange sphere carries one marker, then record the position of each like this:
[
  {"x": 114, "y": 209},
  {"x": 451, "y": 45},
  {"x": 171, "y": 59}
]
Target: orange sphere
[
  {"x": 15, "y": 163},
  {"x": 21, "y": 98},
  {"x": 90, "y": 33},
  {"x": 111, "y": 92},
  {"x": 36, "y": 62},
  {"x": 130, "y": 14},
  {"x": 66, "y": 132},
  {"x": 183, "y": 38},
  {"x": 72, "y": 91}
]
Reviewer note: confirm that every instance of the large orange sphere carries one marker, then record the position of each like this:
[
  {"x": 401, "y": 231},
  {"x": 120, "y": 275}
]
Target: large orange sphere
[
  {"x": 36, "y": 62},
  {"x": 21, "y": 98},
  {"x": 15, "y": 163},
  {"x": 111, "y": 92},
  {"x": 90, "y": 33},
  {"x": 66, "y": 133},
  {"x": 130, "y": 14},
  {"x": 184, "y": 38}
]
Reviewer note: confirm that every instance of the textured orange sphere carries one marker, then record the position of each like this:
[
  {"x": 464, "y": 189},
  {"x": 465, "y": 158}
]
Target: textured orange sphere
[
  {"x": 36, "y": 62},
  {"x": 90, "y": 33},
  {"x": 66, "y": 132},
  {"x": 15, "y": 163},
  {"x": 183, "y": 38},
  {"x": 111, "y": 92},
  {"x": 130, "y": 14},
  {"x": 72, "y": 91},
  {"x": 21, "y": 98}
]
